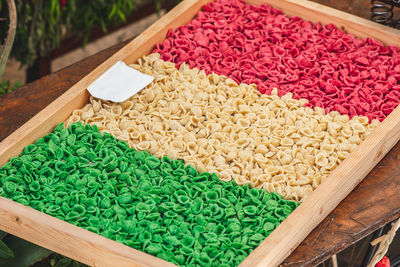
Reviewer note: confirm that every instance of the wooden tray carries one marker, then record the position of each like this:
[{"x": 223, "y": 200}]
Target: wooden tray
[{"x": 95, "y": 250}]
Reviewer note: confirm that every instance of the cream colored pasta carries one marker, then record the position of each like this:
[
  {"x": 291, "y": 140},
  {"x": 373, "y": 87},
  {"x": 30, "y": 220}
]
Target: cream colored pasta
[{"x": 212, "y": 123}]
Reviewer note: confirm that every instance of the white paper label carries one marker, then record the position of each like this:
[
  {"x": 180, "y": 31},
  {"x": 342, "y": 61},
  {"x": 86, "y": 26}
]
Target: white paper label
[{"x": 119, "y": 83}]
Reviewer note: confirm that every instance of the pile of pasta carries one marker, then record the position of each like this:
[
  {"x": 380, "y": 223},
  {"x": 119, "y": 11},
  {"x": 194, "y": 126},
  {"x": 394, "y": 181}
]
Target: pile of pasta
[
  {"x": 161, "y": 207},
  {"x": 216, "y": 125},
  {"x": 259, "y": 44}
]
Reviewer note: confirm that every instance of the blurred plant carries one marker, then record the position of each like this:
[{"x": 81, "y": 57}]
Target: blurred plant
[
  {"x": 15, "y": 251},
  {"x": 6, "y": 87},
  {"x": 5, "y": 252},
  {"x": 42, "y": 23},
  {"x": 9, "y": 34},
  {"x": 56, "y": 260}
]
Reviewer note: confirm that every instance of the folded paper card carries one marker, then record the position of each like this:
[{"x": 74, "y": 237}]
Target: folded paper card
[{"x": 119, "y": 83}]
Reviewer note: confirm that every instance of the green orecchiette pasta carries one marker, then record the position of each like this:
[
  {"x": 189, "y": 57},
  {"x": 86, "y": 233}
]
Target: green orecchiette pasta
[{"x": 161, "y": 207}]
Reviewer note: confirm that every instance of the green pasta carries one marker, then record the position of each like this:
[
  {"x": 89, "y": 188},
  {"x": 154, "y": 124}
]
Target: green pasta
[{"x": 161, "y": 207}]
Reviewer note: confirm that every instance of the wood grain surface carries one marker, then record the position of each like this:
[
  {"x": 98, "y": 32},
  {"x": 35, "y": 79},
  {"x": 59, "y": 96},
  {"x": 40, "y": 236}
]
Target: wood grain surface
[
  {"x": 372, "y": 204},
  {"x": 359, "y": 8}
]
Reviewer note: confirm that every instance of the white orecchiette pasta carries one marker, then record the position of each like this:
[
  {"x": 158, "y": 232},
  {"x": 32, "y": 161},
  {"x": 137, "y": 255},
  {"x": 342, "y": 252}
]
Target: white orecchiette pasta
[{"x": 214, "y": 124}]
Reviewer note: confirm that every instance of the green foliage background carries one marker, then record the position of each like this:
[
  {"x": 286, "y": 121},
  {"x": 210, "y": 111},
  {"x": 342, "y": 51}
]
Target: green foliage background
[
  {"x": 42, "y": 23},
  {"x": 7, "y": 86}
]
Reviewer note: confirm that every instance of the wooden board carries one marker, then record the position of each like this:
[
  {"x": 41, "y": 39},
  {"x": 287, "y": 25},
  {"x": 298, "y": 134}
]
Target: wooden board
[
  {"x": 95, "y": 250},
  {"x": 315, "y": 12}
]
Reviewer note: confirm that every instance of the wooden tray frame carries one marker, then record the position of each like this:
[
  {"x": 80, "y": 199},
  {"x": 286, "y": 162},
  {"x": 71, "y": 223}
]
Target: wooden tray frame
[{"x": 95, "y": 250}]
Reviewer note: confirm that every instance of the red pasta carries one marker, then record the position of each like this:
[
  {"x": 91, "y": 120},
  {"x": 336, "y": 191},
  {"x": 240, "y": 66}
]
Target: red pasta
[{"x": 259, "y": 44}]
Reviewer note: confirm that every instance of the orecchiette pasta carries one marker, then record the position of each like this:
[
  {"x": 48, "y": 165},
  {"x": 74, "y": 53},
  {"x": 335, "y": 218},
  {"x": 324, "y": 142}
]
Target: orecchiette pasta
[{"x": 267, "y": 141}]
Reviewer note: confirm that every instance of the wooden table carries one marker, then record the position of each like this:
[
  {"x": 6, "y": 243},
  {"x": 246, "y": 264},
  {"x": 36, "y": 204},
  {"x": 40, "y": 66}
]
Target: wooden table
[{"x": 374, "y": 203}]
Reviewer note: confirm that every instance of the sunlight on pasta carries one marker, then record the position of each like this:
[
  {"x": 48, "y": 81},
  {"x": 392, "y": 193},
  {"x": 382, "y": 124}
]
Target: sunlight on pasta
[{"x": 216, "y": 125}]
